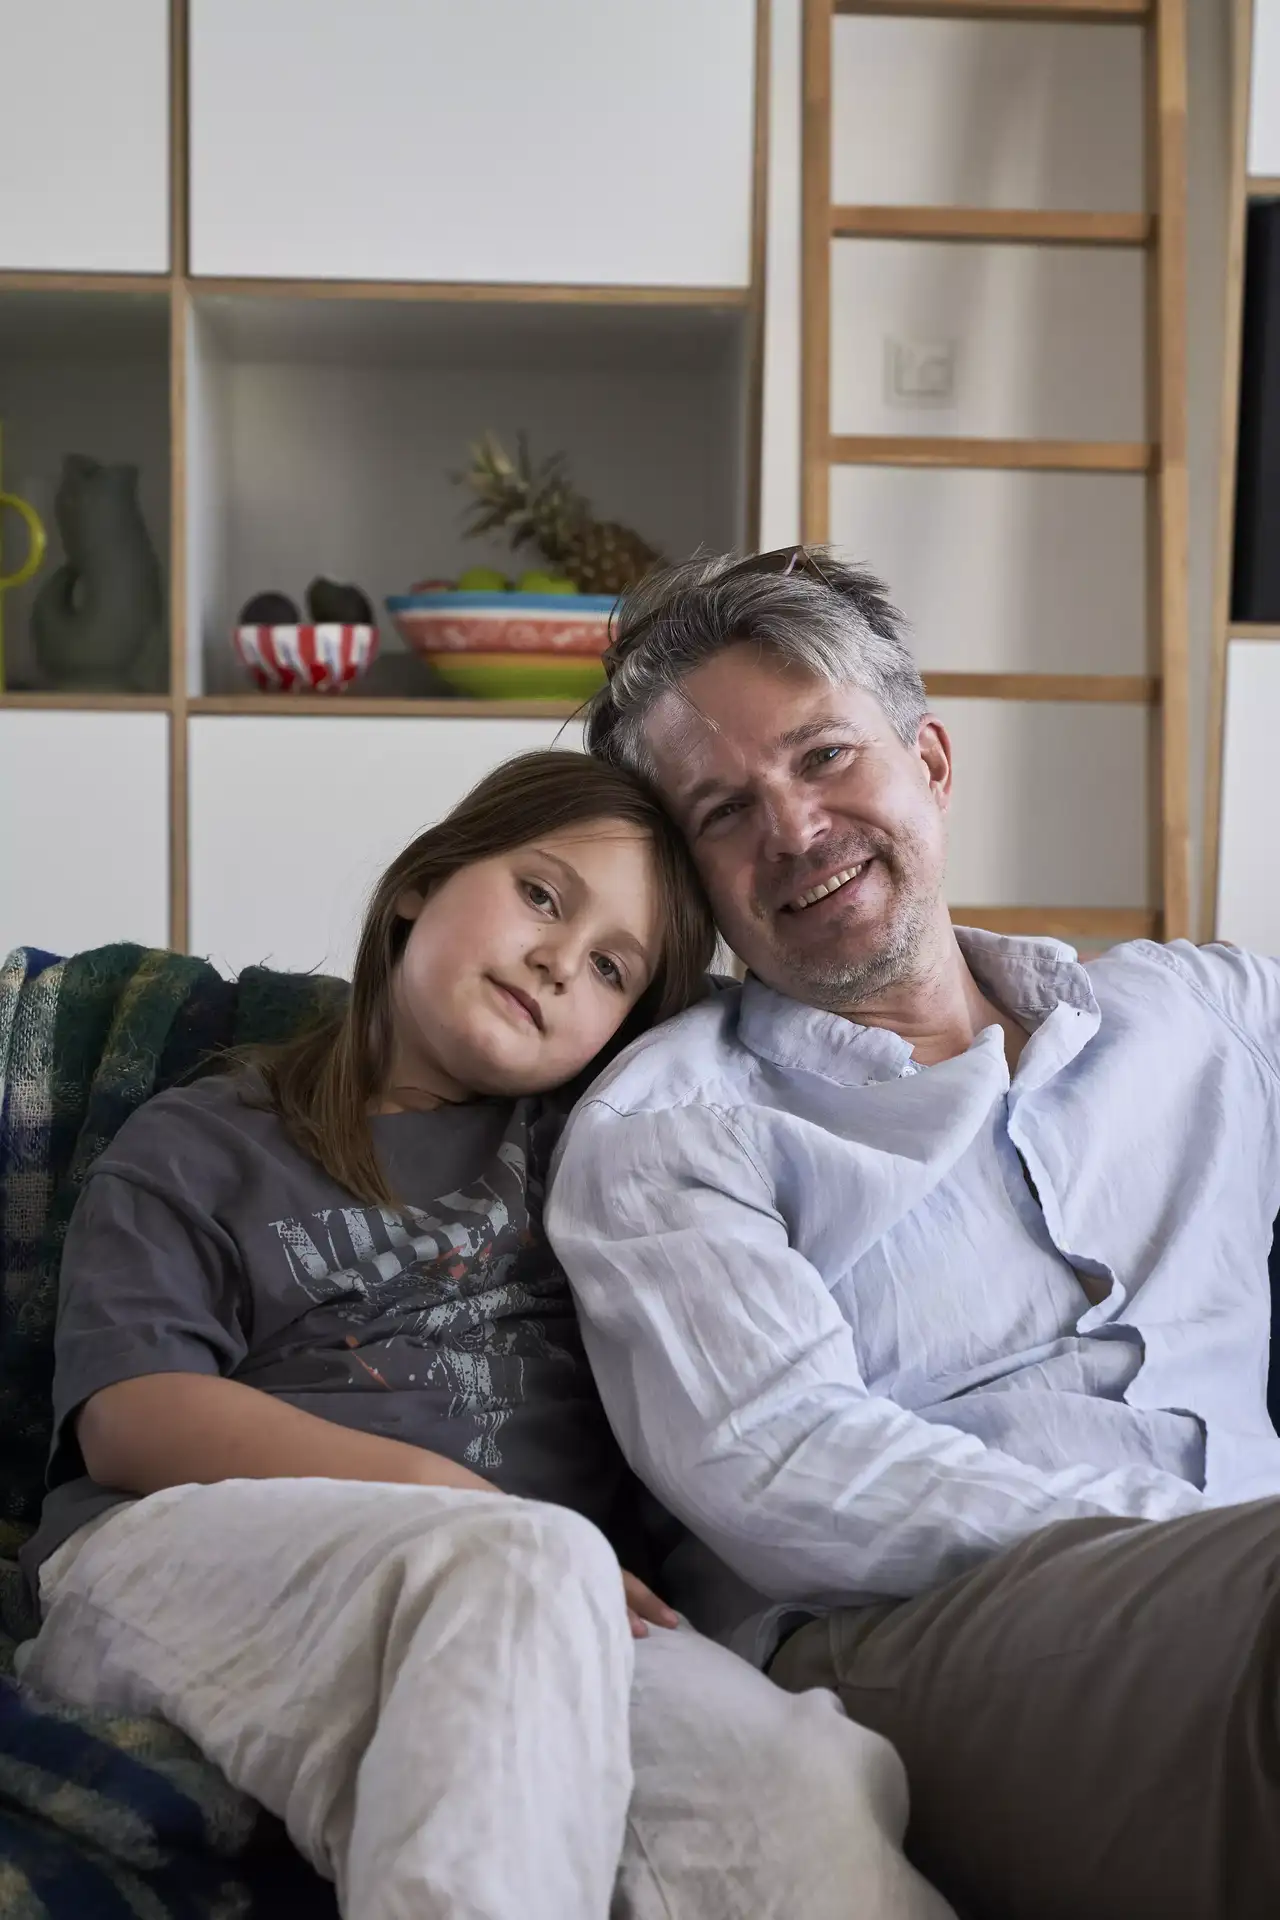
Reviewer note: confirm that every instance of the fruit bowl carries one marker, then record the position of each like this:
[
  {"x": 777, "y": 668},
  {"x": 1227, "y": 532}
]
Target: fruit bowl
[
  {"x": 440, "y": 623},
  {"x": 518, "y": 675},
  {"x": 323, "y": 658}
]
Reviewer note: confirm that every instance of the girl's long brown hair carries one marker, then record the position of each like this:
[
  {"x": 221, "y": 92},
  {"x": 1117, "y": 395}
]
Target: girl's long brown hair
[{"x": 324, "y": 1083}]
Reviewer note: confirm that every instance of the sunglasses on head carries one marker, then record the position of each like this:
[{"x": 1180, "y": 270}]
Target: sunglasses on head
[{"x": 780, "y": 560}]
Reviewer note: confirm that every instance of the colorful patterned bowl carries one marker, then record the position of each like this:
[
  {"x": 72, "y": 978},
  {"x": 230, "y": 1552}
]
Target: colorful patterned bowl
[
  {"x": 324, "y": 658},
  {"x": 436, "y": 623},
  {"x": 519, "y": 676}
]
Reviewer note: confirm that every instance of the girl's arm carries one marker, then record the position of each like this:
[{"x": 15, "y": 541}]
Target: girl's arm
[
  {"x": 150, "y": 1326},
  {"x": 170, "y": 1429}
]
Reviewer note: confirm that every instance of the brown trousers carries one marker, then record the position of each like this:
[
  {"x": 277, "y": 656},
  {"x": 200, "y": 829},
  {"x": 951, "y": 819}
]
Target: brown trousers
[{"x": 1090, "y": 1722}]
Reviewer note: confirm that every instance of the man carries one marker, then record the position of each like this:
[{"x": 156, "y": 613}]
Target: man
[{"x": 925, "y": 1271}]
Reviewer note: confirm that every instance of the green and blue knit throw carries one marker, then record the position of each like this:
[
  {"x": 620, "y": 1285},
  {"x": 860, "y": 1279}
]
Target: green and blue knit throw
[{"x": 108, "y": 1817}]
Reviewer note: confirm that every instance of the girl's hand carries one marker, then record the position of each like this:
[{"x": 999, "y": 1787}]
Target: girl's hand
[{"x": 644, "y": 1608}]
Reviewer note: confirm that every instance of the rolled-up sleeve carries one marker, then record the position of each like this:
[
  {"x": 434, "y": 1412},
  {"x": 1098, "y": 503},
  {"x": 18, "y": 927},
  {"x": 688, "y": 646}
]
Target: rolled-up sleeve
[{"x": 732, "y": 1381}]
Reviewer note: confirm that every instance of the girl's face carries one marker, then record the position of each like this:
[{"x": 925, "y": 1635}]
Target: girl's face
[{"x": 519, "y": 969}]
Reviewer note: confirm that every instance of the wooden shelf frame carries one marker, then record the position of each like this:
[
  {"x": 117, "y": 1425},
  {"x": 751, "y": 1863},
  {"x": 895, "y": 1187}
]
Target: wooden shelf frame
[
  {"x": 20, "y": 280},
  {"x": 1128, "y": 689},
  {"x": 473, "y": 293},
  {"x": 1125, "y": 689},
  {"x": 86, "y": 702},
  {"x": 1001, "y": 226},
  {"x": 1105, "y": 924},
  {"x": 337, "y": 706},
  {"x": 1099, "y": 13},
  {"x": 1160, "y": 230},
  {"x": 1029, "y": 456},
  {"x": 1261, "y": 186},
  {"x": 181, "y": 289}
]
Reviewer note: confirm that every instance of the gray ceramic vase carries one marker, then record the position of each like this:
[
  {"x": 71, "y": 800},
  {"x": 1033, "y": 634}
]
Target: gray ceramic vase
[{"x": 98, "y": 620}]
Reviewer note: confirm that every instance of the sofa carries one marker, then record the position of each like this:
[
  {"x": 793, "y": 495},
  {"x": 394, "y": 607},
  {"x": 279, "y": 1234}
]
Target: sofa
[{"x": 108, "y": 1815}]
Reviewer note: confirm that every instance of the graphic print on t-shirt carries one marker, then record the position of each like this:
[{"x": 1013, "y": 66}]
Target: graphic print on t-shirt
[
  {"x": 439, "y": 1298},
  {"x": 206, "y": 1241}
]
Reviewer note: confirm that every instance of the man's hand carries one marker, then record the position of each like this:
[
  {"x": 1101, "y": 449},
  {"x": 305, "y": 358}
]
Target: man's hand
[{"x": 644, "y": 1608}]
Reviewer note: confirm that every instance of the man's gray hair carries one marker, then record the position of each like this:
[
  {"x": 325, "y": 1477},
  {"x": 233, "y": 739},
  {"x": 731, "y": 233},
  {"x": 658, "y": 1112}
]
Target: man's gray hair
[{"x": 810, "y": 610}]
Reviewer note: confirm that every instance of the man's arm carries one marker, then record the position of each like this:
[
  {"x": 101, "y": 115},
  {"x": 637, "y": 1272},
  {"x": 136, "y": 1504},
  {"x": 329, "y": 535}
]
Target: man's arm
[
  {"x": 731, "y": 1380},
  {"x": 1243, "y": 988}
]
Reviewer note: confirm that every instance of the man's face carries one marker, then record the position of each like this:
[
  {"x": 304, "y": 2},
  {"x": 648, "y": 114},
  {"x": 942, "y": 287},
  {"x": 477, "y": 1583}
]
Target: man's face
[{"x": 820, "y": 837}]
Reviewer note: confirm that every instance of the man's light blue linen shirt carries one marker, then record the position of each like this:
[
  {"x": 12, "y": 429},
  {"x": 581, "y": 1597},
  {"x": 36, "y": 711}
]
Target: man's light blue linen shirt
[{"x": 839, "y": 1306}]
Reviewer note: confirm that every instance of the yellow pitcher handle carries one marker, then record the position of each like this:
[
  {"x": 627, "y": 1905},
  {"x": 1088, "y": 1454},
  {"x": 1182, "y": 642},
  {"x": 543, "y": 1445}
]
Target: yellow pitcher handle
[{"x": 35, "y": 538}]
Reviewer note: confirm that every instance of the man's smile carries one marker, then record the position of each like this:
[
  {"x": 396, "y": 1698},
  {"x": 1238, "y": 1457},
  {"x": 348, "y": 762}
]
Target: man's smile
[{"x": 823, "y": 889}]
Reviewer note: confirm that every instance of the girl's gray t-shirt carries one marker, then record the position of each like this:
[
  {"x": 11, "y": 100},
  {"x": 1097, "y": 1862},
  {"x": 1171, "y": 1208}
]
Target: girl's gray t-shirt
[{"x": 206, "y": 1242}]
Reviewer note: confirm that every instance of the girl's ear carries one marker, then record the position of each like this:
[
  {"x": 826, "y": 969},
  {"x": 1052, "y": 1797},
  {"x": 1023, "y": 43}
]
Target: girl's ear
[{"x": 409, "y": 905}]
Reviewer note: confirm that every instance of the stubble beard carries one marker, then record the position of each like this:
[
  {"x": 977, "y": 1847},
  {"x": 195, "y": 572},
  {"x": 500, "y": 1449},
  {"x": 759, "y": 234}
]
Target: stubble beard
[{"x": 837, "y": 981}]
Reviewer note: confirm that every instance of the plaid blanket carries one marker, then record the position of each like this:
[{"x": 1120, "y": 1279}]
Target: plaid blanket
[{"x": 107, "y": 1815}]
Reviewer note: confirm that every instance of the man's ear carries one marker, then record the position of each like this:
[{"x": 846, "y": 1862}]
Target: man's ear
[
  {"x": 409, "y": 905},
  {"x": 933, "y": 744}
]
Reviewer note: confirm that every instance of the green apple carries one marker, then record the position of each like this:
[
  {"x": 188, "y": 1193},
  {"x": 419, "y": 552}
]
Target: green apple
[
  {"x": 482, "y": 580},
  {"x": 539, "y": 581}
]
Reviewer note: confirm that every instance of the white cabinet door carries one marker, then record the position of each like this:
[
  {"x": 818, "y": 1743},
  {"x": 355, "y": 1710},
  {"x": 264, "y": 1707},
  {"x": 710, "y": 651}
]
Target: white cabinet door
[
  {"x": 591, "y": 142},
  {"x": 1248, "y": 860},
  {"x": 84, "y": 830},
  {"x": 84, "y": 135},
  {"x": 1264, "y": 105},
  {"x": 294, "y": 819}
]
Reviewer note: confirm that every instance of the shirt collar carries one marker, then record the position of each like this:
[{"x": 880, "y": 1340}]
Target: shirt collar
[{"x": 1040, "y": 983}]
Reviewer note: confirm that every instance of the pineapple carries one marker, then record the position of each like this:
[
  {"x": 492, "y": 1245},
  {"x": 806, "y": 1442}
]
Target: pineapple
[{"x": 540, "y": 507}]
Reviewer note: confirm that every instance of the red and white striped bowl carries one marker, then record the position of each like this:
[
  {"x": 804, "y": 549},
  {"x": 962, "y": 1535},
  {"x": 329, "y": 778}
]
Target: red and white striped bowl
[{"x": 323, "y": 658}]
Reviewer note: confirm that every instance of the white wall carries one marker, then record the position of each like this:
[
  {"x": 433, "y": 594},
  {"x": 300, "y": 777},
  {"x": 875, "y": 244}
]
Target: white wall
[
  {"x": 1047, "y": 340},
  {"x": 991, "y": 114}
]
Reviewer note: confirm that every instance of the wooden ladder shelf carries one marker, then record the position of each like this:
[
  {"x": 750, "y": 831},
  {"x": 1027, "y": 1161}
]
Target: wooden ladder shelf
[{"x": 1161, "y": 232}]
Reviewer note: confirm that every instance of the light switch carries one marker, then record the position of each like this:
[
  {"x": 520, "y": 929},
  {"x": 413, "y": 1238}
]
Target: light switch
[{"x": 920, "y": 373}]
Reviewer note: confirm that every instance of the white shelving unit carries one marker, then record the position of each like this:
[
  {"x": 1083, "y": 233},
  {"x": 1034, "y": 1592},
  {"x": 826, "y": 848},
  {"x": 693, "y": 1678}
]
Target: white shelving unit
[
  {"x": 392, "y": 226},
  {"x": 326, "y": 252}
]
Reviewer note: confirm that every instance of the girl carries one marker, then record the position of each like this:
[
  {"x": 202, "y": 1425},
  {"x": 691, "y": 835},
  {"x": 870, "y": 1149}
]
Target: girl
[{"x": 329, "y": 1471}]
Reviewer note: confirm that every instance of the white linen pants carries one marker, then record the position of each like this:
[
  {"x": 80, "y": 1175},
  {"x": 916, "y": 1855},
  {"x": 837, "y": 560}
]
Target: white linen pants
[{"x": 438, "y": 1694}]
